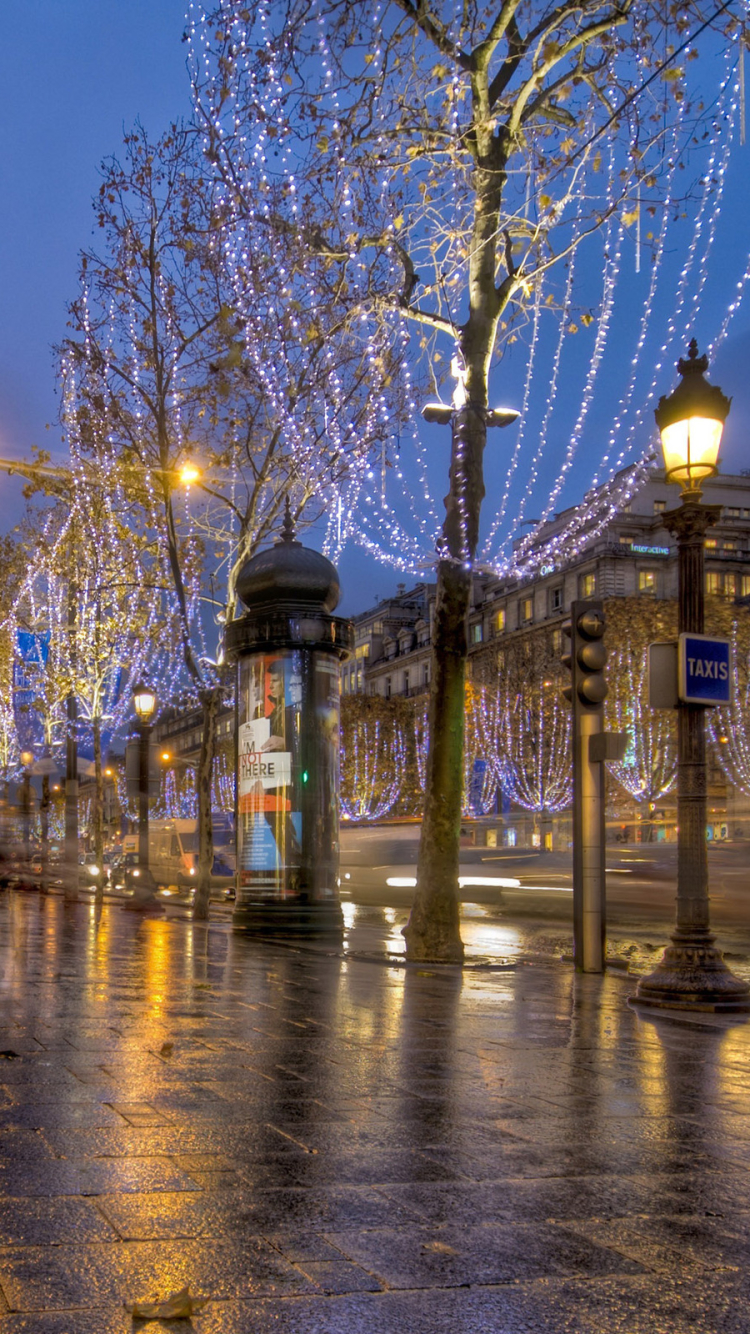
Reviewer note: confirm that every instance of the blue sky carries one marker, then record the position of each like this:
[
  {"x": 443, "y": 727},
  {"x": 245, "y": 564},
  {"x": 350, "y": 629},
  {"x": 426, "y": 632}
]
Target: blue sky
[{"x": 73, "y": 75}]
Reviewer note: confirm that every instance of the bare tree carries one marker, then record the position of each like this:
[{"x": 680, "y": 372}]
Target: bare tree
[
  {"x": 428, "y": 162},
  {"x": 177, "y": 357}
]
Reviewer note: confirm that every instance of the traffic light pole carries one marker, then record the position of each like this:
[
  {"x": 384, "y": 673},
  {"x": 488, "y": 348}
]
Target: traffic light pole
[
  {"x": 589, "y": 888},
  {"x": 586, "y": 693},
  {"x": 591, "y": 747}
]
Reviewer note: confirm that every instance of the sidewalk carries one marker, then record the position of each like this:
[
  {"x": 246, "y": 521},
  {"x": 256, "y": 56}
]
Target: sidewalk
[{"x": 318, "y": 1143}]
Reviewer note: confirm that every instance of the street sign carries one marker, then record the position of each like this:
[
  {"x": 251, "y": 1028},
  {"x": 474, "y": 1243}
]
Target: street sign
[
  {"x": 704, "y": 670},
  {"x": 604, "y": 747}
]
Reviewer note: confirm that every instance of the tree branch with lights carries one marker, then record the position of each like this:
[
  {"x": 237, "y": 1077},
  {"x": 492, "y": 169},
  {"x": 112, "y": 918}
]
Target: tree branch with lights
[{"x": 415, "y": 123}]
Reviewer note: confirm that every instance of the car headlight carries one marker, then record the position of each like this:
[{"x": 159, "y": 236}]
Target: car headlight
[{"x": 92, "y": 869}]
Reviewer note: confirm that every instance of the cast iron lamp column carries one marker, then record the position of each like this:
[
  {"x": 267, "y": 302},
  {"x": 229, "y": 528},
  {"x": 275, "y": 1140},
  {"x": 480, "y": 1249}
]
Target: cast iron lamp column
[
  {"x": 144, "y": 702},
  {"x": 692, "y": 973},
  {"x": 27, "y": 759}
]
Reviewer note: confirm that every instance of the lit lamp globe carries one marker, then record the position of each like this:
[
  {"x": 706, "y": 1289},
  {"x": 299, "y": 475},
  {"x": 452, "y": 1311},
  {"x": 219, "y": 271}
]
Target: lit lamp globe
[
  {"x": 691, "y": 421},
  {"x": 144, "y": 702}
]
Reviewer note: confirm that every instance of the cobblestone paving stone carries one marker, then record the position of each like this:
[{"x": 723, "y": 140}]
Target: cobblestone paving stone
[{"x": 322, "y": 1143}]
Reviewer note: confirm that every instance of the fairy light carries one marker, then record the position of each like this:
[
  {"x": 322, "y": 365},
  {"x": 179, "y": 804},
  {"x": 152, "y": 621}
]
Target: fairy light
[
  {"x": 729, "y": 725},
  {"x": 552, "y": 394},
  {"x": 520, "y": 435},
  {"x": 372, "y": 772},
  {"x": 399, "y": 524},
  {"x": 649, "y": 768}
]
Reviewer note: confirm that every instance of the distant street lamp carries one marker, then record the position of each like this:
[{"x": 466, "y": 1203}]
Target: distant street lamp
[
  {"x": 692, "y": 973},
  {"x": 27, "y": 759},
  {"x": 144, "y": 703}
]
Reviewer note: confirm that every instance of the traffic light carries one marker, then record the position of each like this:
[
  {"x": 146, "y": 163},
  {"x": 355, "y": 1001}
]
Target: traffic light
[{"x": 587, "y": 658}]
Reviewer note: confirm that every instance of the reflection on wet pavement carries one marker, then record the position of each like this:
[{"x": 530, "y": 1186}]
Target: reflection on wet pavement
[{"x": 316, "y": 1141}]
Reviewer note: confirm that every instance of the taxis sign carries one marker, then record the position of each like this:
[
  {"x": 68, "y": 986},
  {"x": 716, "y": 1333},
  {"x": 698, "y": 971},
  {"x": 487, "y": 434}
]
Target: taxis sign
[{"x": 704, "y": 670}]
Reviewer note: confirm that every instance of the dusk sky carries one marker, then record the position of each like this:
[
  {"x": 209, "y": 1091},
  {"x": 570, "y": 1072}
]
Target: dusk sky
[{"x": 74, "y": 74}]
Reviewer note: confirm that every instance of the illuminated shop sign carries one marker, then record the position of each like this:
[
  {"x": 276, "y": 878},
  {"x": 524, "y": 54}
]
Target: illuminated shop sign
[{"x": 649, "y": 551}]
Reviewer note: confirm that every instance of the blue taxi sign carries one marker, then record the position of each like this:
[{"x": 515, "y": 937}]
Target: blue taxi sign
[{"x": 704, "y": 670}]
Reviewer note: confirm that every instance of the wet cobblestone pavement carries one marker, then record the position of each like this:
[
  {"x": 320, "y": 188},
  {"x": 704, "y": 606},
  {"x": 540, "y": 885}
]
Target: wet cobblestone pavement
[{"x": 318, "y": 1143}]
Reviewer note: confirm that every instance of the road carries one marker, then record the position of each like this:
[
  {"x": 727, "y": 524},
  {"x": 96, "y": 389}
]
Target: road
[{"x": 521, "y": 899}]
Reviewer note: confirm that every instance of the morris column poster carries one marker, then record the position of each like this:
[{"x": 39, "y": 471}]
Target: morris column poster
[{"x": 268, "y": 741}]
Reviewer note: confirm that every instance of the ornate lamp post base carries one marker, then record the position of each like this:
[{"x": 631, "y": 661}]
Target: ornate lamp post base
[{"x": 692, "y": 975}]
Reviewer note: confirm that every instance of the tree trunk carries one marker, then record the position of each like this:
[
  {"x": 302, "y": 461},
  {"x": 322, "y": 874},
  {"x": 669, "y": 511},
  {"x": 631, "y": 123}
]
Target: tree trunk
[
  {"x": 433, "y": 930},
  {"x": 204, "y": 781},
  {"x": 98, "y": 813}
]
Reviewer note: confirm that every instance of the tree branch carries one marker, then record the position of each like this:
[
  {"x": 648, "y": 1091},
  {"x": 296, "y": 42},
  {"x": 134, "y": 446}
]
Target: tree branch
[
  {"x": 436, "y": 32},
  {"x": 582, "y": 38}
]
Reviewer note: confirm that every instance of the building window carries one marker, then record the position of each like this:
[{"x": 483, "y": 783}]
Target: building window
[
  {"x": 526, "y": 610},
  {"x": 556, "y": 641},
  {"x": 710, "y": 544},
  {"x": 713, "y": 581},
  {"x": 500, "y": 620},
  {"x": 388, "y": 687},
  {"x": 659, "y": 506},
  {"x": 587, "y": 585},
  {"x": 556, "y": 599},
  {"x": 732, "y": 512},
  {"x": 745, "y": 585},
  {"x": 730, "y": 546},
  {"x": 406, "y": 683},
  {"x": 730, "y": 585},
  {"x": 376, "y": 628},
  {"x": 647, "y": 581},
  {"x": 476, "y": 633},
  {"x": 426, "y": 674}
]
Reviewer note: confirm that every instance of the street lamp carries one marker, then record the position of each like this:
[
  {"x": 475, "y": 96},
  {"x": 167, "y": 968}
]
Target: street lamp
[
  {"x": 144, "y": 703},
  {"x": 27, "y": 759},
  {"x": 692, "y": 973}
]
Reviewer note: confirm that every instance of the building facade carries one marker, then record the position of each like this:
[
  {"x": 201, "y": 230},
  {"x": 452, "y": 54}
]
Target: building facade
[{"x": 634, "y": 556}]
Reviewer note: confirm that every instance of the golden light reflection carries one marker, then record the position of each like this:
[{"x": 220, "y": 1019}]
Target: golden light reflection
[{"x": 485, "y": 934}]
